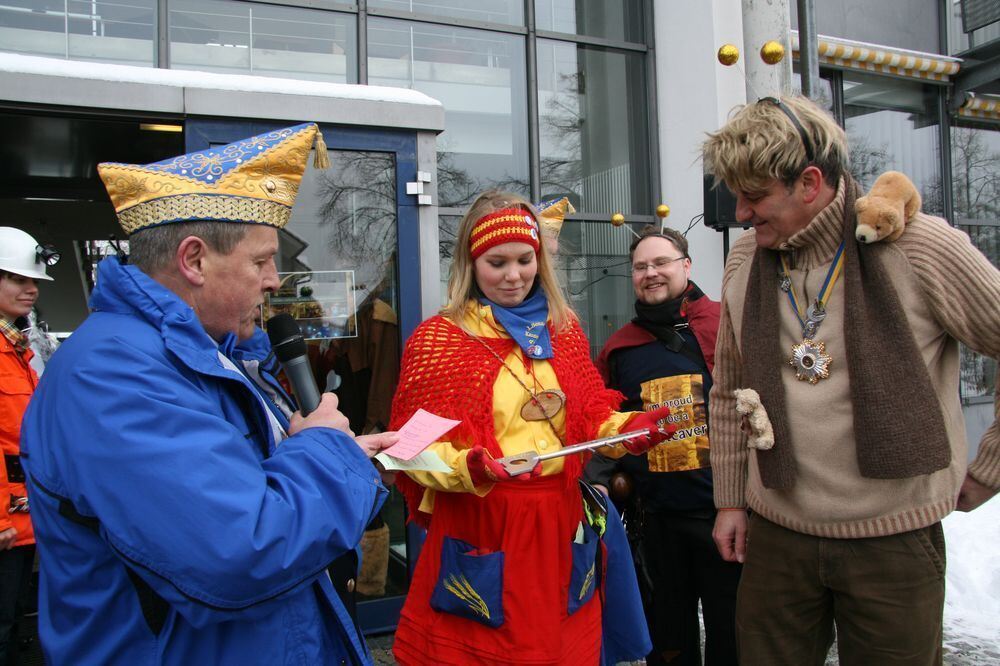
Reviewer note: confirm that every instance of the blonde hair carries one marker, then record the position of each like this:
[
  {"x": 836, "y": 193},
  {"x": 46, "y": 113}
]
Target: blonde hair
[
  {"x": 761, "y": 144},
  {"x": 462, "y": 288}
]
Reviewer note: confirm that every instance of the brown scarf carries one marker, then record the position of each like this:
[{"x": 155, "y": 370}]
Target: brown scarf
[{"x": 898, "y": 425}]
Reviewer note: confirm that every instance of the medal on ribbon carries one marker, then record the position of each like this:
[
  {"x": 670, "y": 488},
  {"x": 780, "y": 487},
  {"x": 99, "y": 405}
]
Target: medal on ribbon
[{"x": 809, "y": 358}]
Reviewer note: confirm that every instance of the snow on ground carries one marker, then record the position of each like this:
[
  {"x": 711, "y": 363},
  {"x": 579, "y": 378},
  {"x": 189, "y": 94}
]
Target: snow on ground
[{"x": 972, "y": 596}]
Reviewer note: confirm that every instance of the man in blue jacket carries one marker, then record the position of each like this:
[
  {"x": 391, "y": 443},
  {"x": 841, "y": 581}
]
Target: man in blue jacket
[{"x": 180, "y": 518}]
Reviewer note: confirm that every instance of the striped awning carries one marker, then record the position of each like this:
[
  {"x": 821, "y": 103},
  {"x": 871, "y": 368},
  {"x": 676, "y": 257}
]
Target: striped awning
[
  {"x": 847, "y": 54},
  {"x": 981, "y": 107}
]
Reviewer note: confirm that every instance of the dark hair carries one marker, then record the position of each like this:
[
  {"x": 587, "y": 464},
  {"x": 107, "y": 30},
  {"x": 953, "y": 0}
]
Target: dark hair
[{"x": 672, "y": 235}]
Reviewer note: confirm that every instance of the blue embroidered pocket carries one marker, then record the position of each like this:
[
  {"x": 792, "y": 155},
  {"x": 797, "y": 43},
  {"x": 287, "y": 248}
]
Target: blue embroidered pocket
[
  {"x": 584, "y": 577},
  {"x": 469, "y": 585}
]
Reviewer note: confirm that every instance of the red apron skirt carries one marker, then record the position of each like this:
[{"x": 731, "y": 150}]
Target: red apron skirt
[{"x": 501, "y": 581}]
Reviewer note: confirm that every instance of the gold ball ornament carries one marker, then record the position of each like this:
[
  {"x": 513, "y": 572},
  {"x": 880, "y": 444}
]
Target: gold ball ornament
[
  {"x": 728, "y": 54},
  {"x": 618, "y": 219},
  {"x": 662, "y": 211},
  {"x": 772, "y": 52}
]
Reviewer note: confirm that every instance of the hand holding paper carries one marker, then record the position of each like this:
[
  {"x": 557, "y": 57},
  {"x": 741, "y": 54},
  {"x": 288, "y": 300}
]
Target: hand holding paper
[{"x": 417, "y": 434}]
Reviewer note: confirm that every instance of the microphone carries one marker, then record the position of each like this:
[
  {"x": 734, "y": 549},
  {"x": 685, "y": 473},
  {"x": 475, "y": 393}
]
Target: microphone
[{"x": 290, "y": 348}]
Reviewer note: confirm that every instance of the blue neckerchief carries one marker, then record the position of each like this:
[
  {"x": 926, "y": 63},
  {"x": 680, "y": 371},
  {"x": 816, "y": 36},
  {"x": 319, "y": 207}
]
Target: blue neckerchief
[{"x": 526, "y": 323}]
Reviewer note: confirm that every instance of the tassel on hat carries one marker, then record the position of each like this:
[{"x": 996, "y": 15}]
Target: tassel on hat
[{"x": 321, "y": 160}]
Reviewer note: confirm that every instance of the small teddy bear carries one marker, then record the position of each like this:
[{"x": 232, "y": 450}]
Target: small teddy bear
[
  {"x": 884, "y": 212},
  {"x": 748, "y": 404}
]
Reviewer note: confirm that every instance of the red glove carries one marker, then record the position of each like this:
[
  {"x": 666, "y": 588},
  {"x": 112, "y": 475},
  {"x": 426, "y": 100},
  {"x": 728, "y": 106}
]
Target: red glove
[
  {"x": 647, "y": 421},
  {"x": 484, "y": 469}
]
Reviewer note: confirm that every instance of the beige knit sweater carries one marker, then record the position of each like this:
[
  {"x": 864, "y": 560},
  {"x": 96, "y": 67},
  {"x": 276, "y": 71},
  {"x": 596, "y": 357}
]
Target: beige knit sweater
[{"x": 951, "y": 294}]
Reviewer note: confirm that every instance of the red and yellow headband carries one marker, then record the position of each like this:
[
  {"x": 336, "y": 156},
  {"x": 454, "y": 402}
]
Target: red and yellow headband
[{"x": 507, "y": 225}]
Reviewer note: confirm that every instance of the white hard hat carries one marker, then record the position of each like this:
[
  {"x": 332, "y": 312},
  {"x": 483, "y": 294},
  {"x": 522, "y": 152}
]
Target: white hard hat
[{"x": 19, "y": 254}]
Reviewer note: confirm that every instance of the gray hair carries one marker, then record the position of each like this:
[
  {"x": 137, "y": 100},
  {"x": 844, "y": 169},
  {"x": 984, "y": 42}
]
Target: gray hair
[{"x": 153, "y": 249}]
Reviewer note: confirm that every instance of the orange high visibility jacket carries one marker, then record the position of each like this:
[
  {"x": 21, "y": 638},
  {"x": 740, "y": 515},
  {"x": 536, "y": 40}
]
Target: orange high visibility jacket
[{"x": 17, "y": 383}]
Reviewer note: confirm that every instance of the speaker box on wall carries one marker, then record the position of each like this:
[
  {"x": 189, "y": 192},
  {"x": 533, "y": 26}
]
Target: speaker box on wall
[{"x": 720, "y": 206}]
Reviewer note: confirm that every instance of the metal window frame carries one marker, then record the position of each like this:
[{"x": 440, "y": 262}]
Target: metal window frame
[{"x": 529, "y": 31}]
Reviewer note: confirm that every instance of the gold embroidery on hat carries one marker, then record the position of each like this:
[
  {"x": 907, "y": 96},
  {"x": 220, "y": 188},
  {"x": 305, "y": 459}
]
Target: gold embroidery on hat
[{"x": 203, "y": 207}]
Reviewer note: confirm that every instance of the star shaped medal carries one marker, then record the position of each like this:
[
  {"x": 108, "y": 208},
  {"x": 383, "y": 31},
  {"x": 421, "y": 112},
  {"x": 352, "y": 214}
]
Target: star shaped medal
[
  {"x": 810, "y": 360},
  {"x": 809, "y": 357}
]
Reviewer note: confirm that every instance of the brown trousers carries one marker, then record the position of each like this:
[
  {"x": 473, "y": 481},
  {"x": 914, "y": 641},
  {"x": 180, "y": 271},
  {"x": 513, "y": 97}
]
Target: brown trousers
[{"x": 885, "y": 595}]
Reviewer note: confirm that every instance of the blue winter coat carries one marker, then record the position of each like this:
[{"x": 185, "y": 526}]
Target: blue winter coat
[{"x": 171, "y": 530}]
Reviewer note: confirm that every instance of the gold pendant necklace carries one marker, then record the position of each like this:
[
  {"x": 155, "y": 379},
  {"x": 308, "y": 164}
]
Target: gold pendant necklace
[{"x": 540, "y": 406}]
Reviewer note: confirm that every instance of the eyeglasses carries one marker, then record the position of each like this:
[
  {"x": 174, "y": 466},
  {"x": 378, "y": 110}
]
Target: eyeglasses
[
  {"x": 46, "y": 254},
  {"x": 658, "y": 263}
]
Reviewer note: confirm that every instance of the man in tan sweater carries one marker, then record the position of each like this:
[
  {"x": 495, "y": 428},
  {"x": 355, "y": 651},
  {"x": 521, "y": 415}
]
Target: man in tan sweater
[{"x": 854, "y": 351}]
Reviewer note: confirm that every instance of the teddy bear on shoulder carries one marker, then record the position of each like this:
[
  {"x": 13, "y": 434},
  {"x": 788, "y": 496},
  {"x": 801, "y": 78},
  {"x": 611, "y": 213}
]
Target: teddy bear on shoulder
[{"x": 885, "y": 210}]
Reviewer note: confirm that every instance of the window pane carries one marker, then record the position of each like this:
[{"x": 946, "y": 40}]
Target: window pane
[
  {"x": 825, "y": 98},
  {"x": 975, "y": 172},
  {"x": 121, "y": 32},
  {"x": 345, "y": 221},
  {"x": 893, "y": 124},
  {"x": 447, "y": 233},
  {"x": 248, "y": 38},
  {"x": 480, "y": 78},
  {"x": 594, "y": 266},
  {"x": 610, "y": 19},
  {"x": 593, "y": 129},
  {"x": 510, "y": 12}
]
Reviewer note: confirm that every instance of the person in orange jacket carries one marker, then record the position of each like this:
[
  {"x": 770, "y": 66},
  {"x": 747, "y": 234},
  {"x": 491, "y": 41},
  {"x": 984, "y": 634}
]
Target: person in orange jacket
[{"x": 22, "y": 266}]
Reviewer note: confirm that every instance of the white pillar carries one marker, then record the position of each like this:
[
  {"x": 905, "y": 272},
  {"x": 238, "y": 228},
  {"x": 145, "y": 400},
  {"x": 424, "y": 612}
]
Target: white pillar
[
  {"x": 764, "y": 21},
  {"x": 694, "y": 95}
]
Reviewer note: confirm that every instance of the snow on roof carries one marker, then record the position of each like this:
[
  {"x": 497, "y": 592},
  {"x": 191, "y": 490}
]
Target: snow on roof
[{"x": 25, "y": 64}]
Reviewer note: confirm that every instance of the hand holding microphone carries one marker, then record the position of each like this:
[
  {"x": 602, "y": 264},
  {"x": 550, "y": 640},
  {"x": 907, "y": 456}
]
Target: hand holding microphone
[
  {"x": 315, "y": 411},
  {"x": 290, "y": 348}
]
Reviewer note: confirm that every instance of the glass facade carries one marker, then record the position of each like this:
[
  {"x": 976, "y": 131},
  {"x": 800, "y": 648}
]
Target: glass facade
[
  {"x": 975, "y": 171},
  {"x": 619, "y": 21},
  {"x": 479, "y": 77},
  {"x": 121, "y": 32},
  {"x": 593, "y": 130},
  {"x": 553, "y": 106},
  {"x": 894, "y": 124},
  {"x": 595, "y": 270},
  {"x": 509, "y": 12},
  {"x": 958, "y": 39},
  {"x": 251, "y": 38}
]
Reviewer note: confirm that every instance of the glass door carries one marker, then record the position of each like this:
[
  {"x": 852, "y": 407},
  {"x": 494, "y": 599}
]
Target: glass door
[{"x": 348, "y": 262}]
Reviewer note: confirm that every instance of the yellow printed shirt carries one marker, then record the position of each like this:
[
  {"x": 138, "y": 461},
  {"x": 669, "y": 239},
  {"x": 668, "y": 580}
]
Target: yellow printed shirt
[
  {"x": 688, "y": 448},
  {"x": 514, "y": 434}
]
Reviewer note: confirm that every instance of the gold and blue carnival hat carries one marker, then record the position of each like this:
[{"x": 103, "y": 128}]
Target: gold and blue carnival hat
[
  {"x": 252, "y": 181},
  {"x": 551, "y": 215}
]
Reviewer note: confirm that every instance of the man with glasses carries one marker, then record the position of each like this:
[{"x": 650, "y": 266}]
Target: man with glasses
[
  {"x": 854, "y": 351},
  {"x": 664, "y": 357}
]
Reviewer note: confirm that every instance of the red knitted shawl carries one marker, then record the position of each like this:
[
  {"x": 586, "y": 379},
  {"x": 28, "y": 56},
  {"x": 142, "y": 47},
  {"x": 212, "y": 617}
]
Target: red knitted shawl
[{"x": 446, "y": 372}]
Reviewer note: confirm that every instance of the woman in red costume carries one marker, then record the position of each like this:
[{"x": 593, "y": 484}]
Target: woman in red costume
[{"x": 510, "y": 567}]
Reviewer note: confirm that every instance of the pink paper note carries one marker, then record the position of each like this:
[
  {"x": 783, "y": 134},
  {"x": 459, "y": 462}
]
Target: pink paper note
[{"x": 418, "y": 433}]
